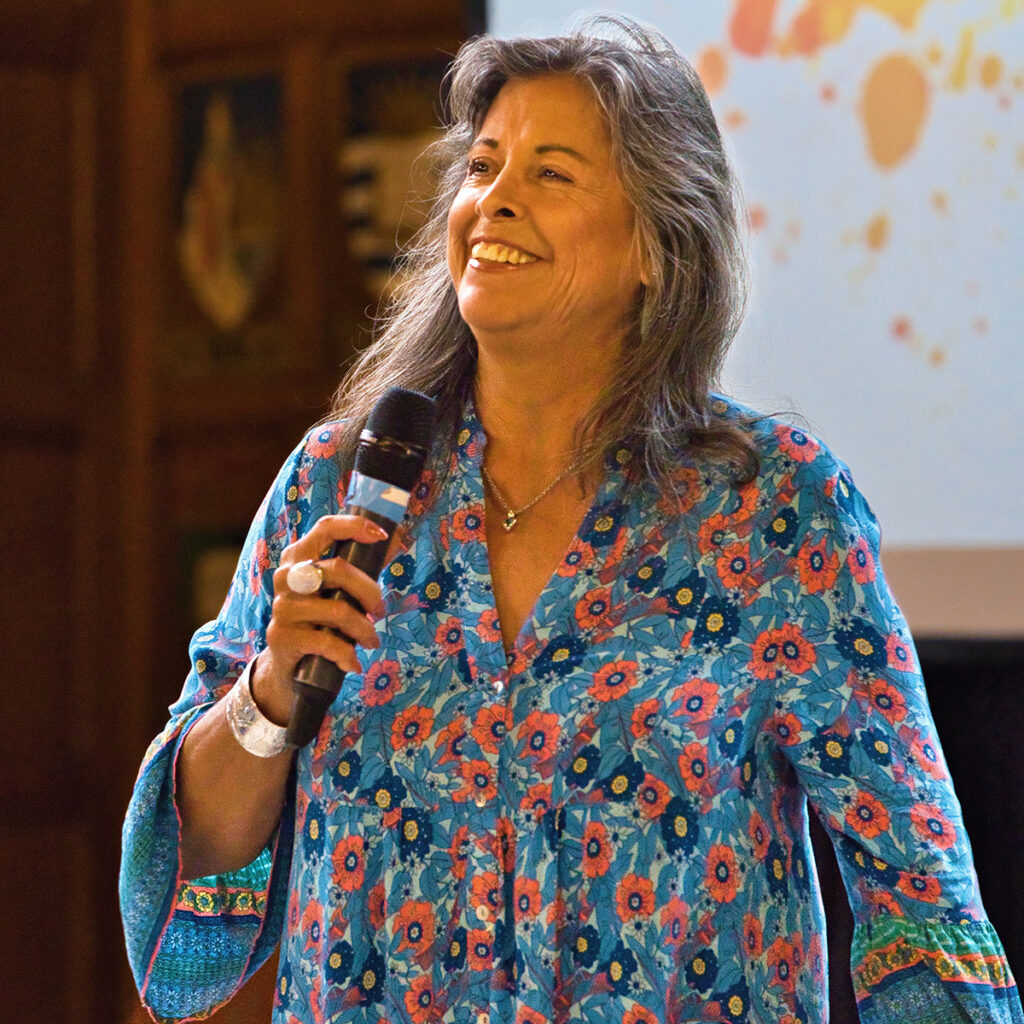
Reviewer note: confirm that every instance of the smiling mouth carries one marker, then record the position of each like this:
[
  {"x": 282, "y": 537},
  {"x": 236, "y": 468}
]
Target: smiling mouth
[{"x": 494, "y": 252}]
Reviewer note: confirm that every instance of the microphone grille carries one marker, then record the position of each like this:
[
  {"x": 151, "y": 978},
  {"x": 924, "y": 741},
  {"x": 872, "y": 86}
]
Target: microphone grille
[{"x": 405, "y": 416}]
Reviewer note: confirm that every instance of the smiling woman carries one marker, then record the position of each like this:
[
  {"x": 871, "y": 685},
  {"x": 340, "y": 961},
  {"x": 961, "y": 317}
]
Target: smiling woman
[{"x": 568, "y": 775}]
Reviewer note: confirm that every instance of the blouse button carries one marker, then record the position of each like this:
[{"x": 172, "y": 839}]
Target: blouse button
[
  {"x": 483, "y": 1018},
  {"x": 498, "y": 686},
  {"x": 480, "y": 800},
  {"x": 483, "y": 913}
]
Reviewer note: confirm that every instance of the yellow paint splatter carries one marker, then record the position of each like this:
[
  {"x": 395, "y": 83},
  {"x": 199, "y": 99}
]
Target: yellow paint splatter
[
  {"x": 940, "y": 202},
  {"x": 958, "y": 74},
  {"x": 893, "y": 108},
  {"x": 990, "y": 141},
  {"x": 876, "y": 233},
  {"x": 712, "y": 68},
  {"x": 825, "y": 22},
  {"x": 934, "y": 54},
  {"x": 903, "y": 12},
  {"x": 991, "y": 70},
  {"x": 937, "y": 356}
]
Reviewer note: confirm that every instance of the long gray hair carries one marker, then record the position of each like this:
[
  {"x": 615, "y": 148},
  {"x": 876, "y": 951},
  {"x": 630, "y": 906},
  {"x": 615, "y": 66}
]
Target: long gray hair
[{"x": 688, "y": 212}]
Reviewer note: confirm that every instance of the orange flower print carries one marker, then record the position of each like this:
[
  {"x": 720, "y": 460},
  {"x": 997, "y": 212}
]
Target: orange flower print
[
  {"x": 919, "y": 887},
  {"x": 899, "y": 654},
  {"x": 539, "y": 734},
  {"x": 818, "y": 567},
  {"x": 411, "y": 726},
  {"x": 579, "y": 556},
  {"x": 381, "y": 682},
  {"x": 722, "y": 875},
  {"x": 781, "y": 649},
  {"x": 448, "y": 636},
  {"x": 734, "y": 568},
  {"x": 348, "y": 863},
  {"x": 693, "y": 765},
  {"x": 477, "y": 782},
  {"x": 479, "y": 949},
  {"x": 796, "y": 444},
  {"x": 758, "y": 832},
  {"x": 929, "y": 759},
  {"x": 536, "y": 800},
  {"x": 420, "y": 1002},
  {"x": 613, "y": 680},
  {"x": 785, "y": 957},
  {"x": 634, "y": 897},
  {"x": 887, "y": 699},
  {"x": 485, "y": 891},
  {"x": 458, "y": 851},
  {"x": 489, "y": 727},
  {"x": 644, "y": 717},
  {"x": 698, "y": 698},
  {"x": 324, "y": 444},
  {"x": 451, "y": 738},
  {"x": 467, "y": 523},
  {"x": 674, "y": 920},
  {"x": 527, "y": 898},
  {"x": 933, "y": 825},
  {"x": 861, "y": 561},
  {"x": 592, "y": 608},
  {"x": 524, "y": 1015},
  {"x": 867, "y": 815},
  {"x": 753, "y": 935},
  {"x": 652, "y": 797},
  {"x": 712, "y": 533},
  {"x": 377, "y": 906},
  {"x": 415, "y": 923},
  {"x": 488, "y": 628},
  {"x": 596, "y": 850},
  {"x": 638, "y": 1015},
  {"x": 787, "y": 728}
]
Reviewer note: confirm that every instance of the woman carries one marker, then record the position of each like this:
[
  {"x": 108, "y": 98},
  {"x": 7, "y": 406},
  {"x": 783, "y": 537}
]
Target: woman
[{"x": 628, "y": 630}]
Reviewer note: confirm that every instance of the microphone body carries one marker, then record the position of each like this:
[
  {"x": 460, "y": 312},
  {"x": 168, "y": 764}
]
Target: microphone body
[{"x": 390, "y": 456}]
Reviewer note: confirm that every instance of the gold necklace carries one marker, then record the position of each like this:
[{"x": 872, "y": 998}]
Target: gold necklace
[{"x": 512, "y": 514}]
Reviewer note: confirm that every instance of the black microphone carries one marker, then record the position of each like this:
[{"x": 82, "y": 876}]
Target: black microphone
[{"x": 389, "y": 460}]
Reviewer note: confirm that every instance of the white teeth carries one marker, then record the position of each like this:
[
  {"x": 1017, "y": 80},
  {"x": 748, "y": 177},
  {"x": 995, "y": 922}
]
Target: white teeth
[{"x": 497, "y": 253}]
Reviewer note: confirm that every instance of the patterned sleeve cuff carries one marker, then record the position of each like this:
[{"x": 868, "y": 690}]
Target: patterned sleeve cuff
[{"x": 907, "y": 972}]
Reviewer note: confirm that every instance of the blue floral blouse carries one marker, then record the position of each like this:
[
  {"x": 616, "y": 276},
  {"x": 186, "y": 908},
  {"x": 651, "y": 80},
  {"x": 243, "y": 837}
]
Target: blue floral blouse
[{"x": 610, "y": 824}]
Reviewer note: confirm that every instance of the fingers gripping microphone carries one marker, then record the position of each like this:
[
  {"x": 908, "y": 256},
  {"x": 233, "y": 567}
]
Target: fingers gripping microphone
[{"x": 389, "y": 459}]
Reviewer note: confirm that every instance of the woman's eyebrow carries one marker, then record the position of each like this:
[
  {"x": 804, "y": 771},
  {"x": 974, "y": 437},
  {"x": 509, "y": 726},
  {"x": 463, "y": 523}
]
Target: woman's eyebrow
[{"x": 549, "y": 147}]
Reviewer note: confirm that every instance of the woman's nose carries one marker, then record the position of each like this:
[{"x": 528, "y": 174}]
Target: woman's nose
[{"x": 500, "y": 201}]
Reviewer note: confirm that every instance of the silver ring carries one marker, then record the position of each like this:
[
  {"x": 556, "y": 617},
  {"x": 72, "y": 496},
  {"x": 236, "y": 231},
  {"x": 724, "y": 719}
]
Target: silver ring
[{"x": 305, "y": 577}]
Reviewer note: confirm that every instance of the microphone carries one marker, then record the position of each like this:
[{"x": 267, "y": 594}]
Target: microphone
[{"x": 390, "y": 455}]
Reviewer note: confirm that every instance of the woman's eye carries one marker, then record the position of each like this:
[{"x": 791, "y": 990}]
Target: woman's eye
[
  {"x": 476, "y": 166},
  {"x": 552, "y": 175}
]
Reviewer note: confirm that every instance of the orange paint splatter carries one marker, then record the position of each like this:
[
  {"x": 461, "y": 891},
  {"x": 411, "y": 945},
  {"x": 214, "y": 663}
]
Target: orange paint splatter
[
  {"x": 750, "y": 27},
  {"x": 933, "y": 54},
  {"x": 735, "y": 119},
  {"x": 958, "y": 74},
  {"x": 824, "y": 22},
  {"x": 876, "y": 233},
  {"x": 901, "y": 328},
  {"x": 829, "y": 93},
  {"x": 893, "y": 107},
  {"x": 940, "y": 202},
  {"x": 991, "y": 71},
  {"x": 757, "y": 217},
  {"x": 712, "y": 68},
  {"x": 980, "y": 325},
  {"x": 794, "y": 229},
  {"x": 937, "y": 356}
]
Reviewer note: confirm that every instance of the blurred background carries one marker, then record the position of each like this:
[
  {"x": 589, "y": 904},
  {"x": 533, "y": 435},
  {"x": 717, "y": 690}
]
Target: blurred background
[{"x": 200, "y": 206}]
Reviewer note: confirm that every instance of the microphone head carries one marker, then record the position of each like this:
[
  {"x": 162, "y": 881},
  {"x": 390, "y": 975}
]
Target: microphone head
[{"x": 397, "y": 438}]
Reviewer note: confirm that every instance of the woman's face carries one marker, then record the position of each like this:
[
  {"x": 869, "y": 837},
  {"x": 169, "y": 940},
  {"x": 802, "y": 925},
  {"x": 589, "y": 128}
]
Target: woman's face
[{"x": 540, "y": 235}]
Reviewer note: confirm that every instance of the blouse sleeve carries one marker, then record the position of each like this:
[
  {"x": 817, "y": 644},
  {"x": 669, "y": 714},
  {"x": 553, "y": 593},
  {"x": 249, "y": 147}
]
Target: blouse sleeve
[
  {"x": 861, "y": 739},
  {"x": 192, "y": 944}
]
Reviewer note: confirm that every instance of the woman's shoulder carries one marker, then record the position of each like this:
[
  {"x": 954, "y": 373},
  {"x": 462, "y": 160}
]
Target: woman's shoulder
[{"x": 792, "y": 459}]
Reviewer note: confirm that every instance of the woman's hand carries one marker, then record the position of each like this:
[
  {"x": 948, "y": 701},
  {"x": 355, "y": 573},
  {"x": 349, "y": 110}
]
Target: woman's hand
[{"x": 292, "y": 632}]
